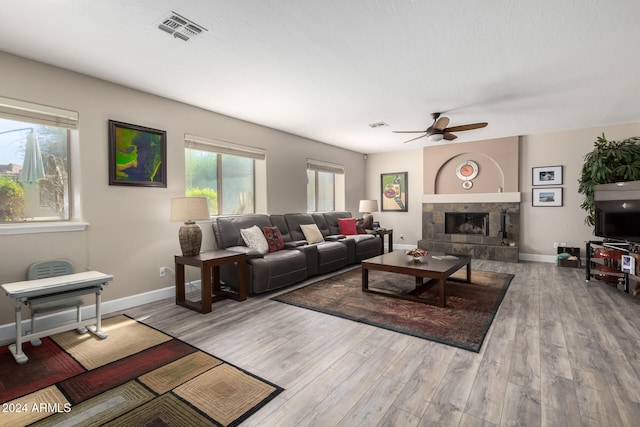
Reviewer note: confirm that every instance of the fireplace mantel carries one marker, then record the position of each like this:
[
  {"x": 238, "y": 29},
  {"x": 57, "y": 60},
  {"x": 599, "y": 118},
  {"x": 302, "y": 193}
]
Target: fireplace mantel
[{"x": 513, "y": 197}]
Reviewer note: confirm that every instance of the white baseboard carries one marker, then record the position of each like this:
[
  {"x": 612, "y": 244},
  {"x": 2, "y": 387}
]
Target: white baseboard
[
  {"x": 403, "y": 247},
  {"x": 537, "y": 257},
  {"x": 8, "y": 331}
]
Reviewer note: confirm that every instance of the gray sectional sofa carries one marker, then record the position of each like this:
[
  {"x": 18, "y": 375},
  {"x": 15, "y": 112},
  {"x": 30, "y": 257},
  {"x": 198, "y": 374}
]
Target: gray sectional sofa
[{"x": 298, "y": 259}]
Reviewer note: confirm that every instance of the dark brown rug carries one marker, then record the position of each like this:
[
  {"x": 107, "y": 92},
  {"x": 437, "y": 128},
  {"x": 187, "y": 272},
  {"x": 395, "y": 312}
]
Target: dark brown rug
[
  {"x": 138, "y": 376},
  {"x": 464, "y": 322}
]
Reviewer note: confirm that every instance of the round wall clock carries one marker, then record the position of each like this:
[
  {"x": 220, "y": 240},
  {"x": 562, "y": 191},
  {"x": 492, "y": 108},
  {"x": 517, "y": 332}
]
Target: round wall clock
[{"x": 467, "y": 170}]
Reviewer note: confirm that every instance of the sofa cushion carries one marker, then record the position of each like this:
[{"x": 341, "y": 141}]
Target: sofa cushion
[
  {"x": 331, "y": 218},
  {"x": 254, "y": 238},
  {"x": 226, "y": 229},
  {"x": 294, "y": 220},
  {"x": 311, "y": 233},
  {"x": 274, "y": 238},
  {"x": 347, "y": 226},
  {"x": 279, "y": 221}
]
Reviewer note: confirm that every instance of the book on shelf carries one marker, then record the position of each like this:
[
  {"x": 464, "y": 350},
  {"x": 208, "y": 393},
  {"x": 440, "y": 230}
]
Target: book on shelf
[{"x": 628, "y": 264}]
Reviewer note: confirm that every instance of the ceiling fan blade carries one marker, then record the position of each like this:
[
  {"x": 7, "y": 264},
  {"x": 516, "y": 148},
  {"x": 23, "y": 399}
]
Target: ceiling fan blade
[
  {"x": 441, "y": 123},
  {"x": 466, "y": 127},
  {"x": 408, "y": 131},
  {"x": 422, "y": 136},
  {"x": 449, "y": 136}
]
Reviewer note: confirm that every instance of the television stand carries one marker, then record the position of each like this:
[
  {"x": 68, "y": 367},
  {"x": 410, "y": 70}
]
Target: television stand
[{"x": 604, "y": 263}]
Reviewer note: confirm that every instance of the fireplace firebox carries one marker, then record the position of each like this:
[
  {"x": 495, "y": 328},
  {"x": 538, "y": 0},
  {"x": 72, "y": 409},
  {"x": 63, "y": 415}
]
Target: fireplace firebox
[{"x": 466, "y": 223}]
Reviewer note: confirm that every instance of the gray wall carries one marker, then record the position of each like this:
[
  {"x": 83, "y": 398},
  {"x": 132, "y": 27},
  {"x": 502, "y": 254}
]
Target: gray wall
[{"x": 129, "y": 233}]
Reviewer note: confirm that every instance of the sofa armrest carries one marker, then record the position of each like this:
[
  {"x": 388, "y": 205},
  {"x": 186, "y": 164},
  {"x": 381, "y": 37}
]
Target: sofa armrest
[
  {"x": 250, "y": 253},
  {"x": 295, "y": 244},
  {"x": 335, "y": 237}
]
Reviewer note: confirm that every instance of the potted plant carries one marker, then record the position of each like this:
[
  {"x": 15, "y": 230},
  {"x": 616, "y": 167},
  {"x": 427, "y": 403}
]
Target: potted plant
[{"x": 610, "y": 161}]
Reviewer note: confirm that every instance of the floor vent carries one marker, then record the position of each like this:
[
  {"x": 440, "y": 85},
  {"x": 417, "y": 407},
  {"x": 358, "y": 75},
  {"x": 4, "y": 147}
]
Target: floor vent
[{"x": 180, "y": 27}]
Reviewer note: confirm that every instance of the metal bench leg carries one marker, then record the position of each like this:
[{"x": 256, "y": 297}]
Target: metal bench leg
[
  {"x": 97, "y": 329},
  {"x": 82, "y": 330},
  {"x": 16, "y": 349},
  {"x": 35, "y": 342}
]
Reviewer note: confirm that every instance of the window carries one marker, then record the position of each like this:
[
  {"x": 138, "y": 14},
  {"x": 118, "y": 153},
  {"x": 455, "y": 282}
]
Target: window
[
  {"x": 34, "y": 162},
  {"x": 324, "y": 182},
  {"x": 223, "y": 173}
]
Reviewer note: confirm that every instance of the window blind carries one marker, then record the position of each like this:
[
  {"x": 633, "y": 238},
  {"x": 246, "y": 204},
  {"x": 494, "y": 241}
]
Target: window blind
[
  {"x": 14, "y": 109},
  {"x": 319, "y": 165},
  {"x": 222, "y": 147}
]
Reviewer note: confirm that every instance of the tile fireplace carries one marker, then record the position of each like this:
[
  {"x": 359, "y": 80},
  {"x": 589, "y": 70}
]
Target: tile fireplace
[
  {"x": 482, "y": 230},
  {"x": 466, "y": 223}
]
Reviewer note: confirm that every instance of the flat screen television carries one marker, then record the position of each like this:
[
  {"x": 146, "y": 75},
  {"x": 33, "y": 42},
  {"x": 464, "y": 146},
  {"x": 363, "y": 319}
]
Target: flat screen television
[
  {"x": 618, "y": 220},
  {"x": 617, "y": 211}
]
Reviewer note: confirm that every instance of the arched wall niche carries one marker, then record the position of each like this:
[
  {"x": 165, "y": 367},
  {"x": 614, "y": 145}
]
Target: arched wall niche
[
  {"x": 490, "y": 178},
  {"x": 498, "y": 161}
]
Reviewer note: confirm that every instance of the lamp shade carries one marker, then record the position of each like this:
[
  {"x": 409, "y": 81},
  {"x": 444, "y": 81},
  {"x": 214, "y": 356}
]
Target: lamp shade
[
  {"x": 368, "y": 206},
  {"x": 189, "y": 209}
]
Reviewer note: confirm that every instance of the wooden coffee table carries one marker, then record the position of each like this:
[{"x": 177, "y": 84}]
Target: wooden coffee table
[{"x": 437, "y": 270}]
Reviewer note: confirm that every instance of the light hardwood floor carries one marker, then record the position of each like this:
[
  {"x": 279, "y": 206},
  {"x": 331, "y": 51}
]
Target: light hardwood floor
[{"x": 561, "y": 352}]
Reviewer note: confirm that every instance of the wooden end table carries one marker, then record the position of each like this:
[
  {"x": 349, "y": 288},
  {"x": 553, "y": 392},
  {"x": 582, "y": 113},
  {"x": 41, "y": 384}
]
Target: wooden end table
[
  {"x": 438, "y": 270},
  {"x": 209, "y": 264},
  {"x": 381, "y": 232}
]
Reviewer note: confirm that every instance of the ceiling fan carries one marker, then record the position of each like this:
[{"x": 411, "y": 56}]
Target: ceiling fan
[{"x": 439, "y": 130}]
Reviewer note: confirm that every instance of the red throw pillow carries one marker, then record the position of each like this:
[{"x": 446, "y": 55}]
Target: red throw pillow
[
  {"x": 274, "y": 238},
  {"x": 347, "y": 226}
]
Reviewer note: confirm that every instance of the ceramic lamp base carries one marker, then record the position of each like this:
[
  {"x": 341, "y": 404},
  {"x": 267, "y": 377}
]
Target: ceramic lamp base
[
  {"x": 367, "y": 221},
  {"x": 190, "y": 236}
]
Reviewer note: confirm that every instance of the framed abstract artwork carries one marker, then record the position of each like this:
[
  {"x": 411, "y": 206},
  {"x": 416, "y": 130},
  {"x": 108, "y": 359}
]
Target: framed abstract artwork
[
  {"x": 547, "y": 175},
  {"x": 137, "y": 155},
  {"x": 547, "y": 196},
  {"x": 394, "y": 188}
]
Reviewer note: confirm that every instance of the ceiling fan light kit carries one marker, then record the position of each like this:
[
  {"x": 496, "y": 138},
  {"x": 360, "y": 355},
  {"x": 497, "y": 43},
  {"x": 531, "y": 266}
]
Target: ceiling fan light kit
[{"x": 439, "y": 130}]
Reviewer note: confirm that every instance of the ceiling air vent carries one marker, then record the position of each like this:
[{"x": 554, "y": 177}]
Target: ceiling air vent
[
  {"x": 378, "y": 125},
  {"x": 180, "y": 27}
]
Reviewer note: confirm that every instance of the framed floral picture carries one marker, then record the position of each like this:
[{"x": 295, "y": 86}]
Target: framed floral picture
[
  {"x": 394, "y": 188},
  {"x": 137, "y": 155},
  {"x": 547, "y": 175}
]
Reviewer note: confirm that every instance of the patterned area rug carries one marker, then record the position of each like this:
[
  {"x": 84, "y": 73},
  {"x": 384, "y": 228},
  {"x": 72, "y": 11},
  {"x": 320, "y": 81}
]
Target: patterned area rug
[
  {"x": 464, "y": 322},
  {"x": 137, "y": 376}
]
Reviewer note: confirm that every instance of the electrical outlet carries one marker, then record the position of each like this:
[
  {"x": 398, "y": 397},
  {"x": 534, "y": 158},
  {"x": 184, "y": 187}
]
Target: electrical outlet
[
  {"x": 401, "y": 237},
  {"x": 163, "y": 271}
]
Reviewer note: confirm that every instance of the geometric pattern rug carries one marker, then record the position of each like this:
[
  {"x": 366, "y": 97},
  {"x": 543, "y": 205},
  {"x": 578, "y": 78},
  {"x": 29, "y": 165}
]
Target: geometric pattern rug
[
  {"x": 137, "y": 376},
  {"x": 463, "y": 323}
]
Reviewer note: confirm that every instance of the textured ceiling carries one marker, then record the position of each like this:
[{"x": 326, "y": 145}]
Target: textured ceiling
[{"x": 325, "y": 69}]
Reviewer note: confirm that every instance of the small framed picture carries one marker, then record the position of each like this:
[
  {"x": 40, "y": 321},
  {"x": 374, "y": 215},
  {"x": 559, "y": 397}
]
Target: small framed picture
[
  {"x": 547, "y": 175},
  {"x": 394, "y": 188},
  {"x": 547, "y": 196}
]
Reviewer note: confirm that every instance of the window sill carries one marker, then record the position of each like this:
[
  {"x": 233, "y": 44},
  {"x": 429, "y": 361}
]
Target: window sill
[{"x": 47, "y": 227}]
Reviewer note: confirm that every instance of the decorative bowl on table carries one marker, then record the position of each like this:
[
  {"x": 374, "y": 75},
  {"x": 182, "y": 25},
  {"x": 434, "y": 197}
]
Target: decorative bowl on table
[{"x": 416, "y": 254}]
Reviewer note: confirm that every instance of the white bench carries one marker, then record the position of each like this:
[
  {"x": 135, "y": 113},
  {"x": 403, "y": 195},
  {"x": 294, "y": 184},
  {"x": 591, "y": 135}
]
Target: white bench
[{"x": 54, "y": 293}]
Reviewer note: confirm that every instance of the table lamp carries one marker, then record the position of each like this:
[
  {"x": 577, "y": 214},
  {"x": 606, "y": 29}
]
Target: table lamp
[
  {"x": 366, "y": 207},
  {"x": 190, "y": 209}
]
